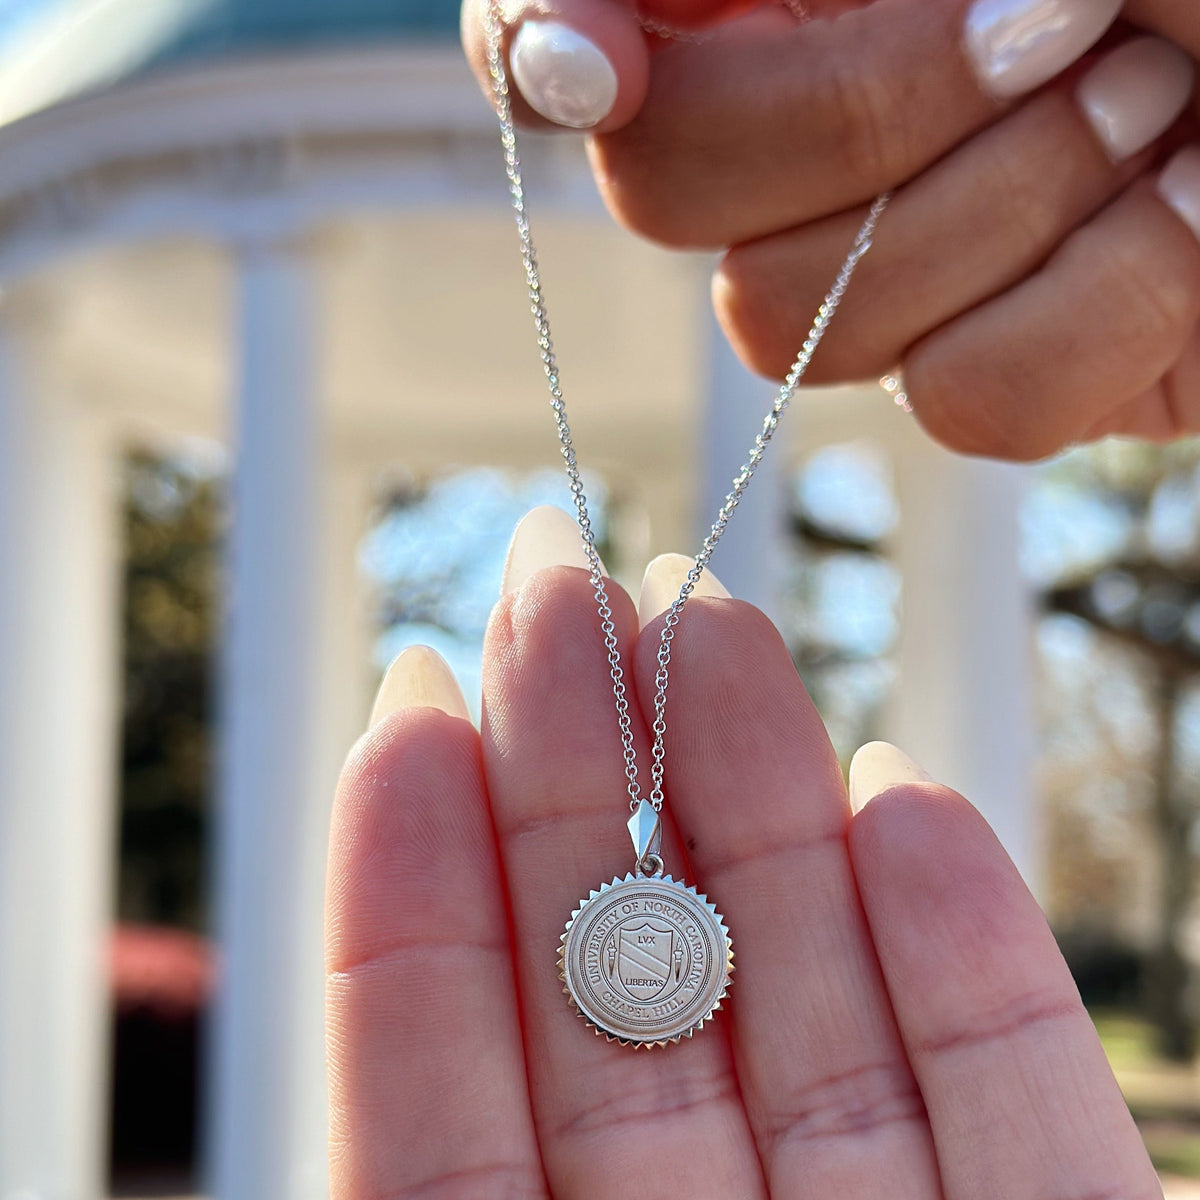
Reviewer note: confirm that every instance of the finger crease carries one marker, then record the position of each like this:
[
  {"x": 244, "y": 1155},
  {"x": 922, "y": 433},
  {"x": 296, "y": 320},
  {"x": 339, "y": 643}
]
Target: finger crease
[
  {"x": 1019, "y": 1017},
  {"x": 492, "y": 1181},
  {"x": 533, "y": 825},
  {"x": 616, "y": 1111},
  {"x": 756, "y": 856},
  {"x": 848, "y": 1104},
  {"x": 387, "y": 957},
  {"x": 1115, "y": 1194}
]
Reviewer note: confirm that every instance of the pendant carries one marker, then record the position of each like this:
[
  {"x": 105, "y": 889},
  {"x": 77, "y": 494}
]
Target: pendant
[{"x": 646, "y": 960}]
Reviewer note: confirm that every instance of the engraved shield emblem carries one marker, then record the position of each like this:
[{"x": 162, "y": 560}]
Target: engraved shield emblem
[{"x": 645, "y": 960}]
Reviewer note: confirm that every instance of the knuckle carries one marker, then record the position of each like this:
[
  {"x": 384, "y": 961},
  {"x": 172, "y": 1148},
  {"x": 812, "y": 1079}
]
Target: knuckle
[
  {"x": 965, "y": 414},
  {"x": 1160, "y": 305},
  {"x": 876, "y": 140},
  {"x": 766, "y": 294},
  {"x": 1032, "y": 209},
  {"x": 644, "y": 1103},
  {"x": 1019, "y": 1016},
  {"x": 751, "y": 311},
  {"x": 628, "y": 169},
  {"x": 848, "y": 1104}
]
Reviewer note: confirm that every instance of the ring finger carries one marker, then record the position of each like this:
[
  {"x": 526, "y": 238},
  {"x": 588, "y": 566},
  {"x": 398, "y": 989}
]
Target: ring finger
[
  {"x": 1108, "y": 317},
  {"x": 758, "y": 794}
]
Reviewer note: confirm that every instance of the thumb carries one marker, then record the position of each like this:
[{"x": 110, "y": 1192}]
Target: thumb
[{"x": 574, "y": 64}]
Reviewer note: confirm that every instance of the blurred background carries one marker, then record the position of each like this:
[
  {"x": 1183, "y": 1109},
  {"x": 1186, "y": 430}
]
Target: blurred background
[{"x": 269, "y": 408}]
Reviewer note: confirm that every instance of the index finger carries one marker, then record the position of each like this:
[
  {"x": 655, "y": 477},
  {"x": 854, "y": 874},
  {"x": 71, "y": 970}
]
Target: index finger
[{"x": 427, "y": 1089}]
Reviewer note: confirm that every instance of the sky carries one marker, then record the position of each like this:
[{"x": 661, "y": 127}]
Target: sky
[
  {"x": 76, "y": 45},
  {"x": 14, "y": 12}
]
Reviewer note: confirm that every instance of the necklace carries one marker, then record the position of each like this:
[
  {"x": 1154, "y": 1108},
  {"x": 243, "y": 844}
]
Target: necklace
[{"x": 646, "y": 959}]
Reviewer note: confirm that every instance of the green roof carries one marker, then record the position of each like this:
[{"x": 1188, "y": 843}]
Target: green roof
[{"x": 232, "y": 25}]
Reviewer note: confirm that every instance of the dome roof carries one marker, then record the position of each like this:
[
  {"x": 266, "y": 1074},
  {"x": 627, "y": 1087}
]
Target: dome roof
[
  {"x": 52, "y": 50},
  {"x": 222, "y": 26}
]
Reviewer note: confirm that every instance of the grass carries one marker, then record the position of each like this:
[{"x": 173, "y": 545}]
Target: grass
[
  {"x": 1128, "y": 1040},
  {"x": 1163, "y": 1096},
  {"x": 1173, "y": 1151}
]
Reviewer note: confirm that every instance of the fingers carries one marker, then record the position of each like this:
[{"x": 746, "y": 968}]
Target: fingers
[
  {"x": 744, "y": 135},
  {"x": 1167, "y": 411},
  {"x": 605, "y": 1114},
  {"x": 1175, "y": 19},
  {"x": 757, "y": 794},
  {"x": 426, "y": 1073},
  {"x": 584, "y": 64},
  {"x": 574, "y": 64},
  {"x": 1104, "y": 320},
  {"x": 970, "y": 227},
  {"x": 1019, "y": 1094}
]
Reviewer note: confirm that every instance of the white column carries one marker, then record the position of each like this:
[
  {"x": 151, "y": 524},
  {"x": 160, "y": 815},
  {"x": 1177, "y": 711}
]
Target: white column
[
  {"x": 294, "y": 697},
  {"x": 345, "y": 678},
  {"x": 59, "y": 556},
  {"x": 267, "y": 726},
  {"x": 963, "y": 704},
  {"x": 749, "y": 559}
]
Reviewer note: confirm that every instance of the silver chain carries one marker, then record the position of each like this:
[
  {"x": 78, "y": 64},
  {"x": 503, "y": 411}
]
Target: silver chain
[{"x": 862, "y": 243}]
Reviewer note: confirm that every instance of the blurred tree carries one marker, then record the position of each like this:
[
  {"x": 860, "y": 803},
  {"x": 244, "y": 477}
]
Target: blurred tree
[
  {"x": 840, "y": 616},
  {"x": 1138, "y": 586},
  {"x": 174, "y": 516}
]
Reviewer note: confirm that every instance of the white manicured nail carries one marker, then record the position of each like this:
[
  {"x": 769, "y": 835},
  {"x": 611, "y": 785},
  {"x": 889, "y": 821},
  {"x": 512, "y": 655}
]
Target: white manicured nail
[
  {"x": 544, "y": 537},
  {"x": 1017, "y": 45},
  {"x": 877, "y": 767},
  {"x": 418, "y": 678},
  {"x": 1136, "y": 94},
  {"x": 662, "y": 581},
  {"x": 563, "y": 75},
  {"x": 1179, "y": 186}
]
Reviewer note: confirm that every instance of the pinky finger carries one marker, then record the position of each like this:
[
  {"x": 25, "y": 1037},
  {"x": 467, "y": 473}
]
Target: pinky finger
[
  {"x": 1059, "y": 356},
  {"x": 1020, "y": 1097}
]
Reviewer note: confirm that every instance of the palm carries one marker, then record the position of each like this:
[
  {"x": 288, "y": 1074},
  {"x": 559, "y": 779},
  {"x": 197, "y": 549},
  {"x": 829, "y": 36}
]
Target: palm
[{"x": 900, "y": 1023}]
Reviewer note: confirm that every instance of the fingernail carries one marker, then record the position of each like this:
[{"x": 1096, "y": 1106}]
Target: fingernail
[
  {"x": 1136, "y": 94},
  {"x": 544, "y": 537},
  {"x": 876, "y": 767},
  {"x": 1017, "y": 45},
  {"x": 662, "y": 581},
  {"x": 418, "y": 678},
  {"x": 563, "y": 75},
  {"x": 1179, "y": 186}
]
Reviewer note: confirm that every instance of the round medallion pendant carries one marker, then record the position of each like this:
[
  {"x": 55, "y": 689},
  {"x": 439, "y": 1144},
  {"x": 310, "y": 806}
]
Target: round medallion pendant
[{"x": 646, "y": 960}]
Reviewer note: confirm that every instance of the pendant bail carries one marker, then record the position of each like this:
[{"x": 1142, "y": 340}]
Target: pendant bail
[{"x": 645, "y": 830}]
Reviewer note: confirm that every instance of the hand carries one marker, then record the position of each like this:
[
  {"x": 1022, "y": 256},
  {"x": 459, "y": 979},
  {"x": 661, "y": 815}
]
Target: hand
[
  {"x": 901, "y": 1025},
  {"x": 1033, "y": 279}
]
